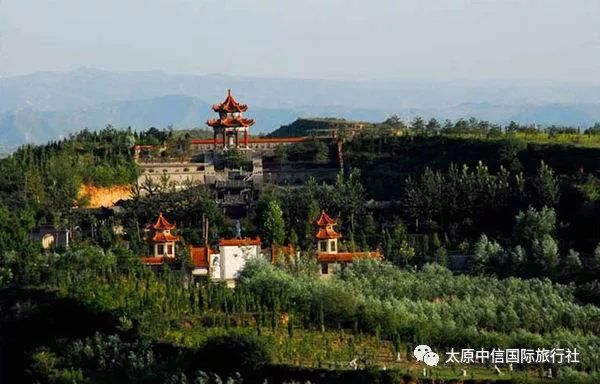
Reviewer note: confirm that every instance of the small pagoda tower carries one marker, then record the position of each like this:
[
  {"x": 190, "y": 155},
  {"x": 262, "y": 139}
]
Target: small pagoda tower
[
  {"x": 327, "y": 236},
  {"x": 230, "y": 123},
  {"x": 161, "y": 242},
  {"x": 327, "y": 247}
]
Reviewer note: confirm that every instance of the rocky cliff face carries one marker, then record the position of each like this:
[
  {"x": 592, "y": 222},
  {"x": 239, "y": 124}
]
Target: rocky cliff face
[{"x": 97, "y": 197}]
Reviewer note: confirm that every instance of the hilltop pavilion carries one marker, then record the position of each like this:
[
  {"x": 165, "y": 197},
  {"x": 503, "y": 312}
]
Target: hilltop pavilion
[{"x": 230, "y": 123}]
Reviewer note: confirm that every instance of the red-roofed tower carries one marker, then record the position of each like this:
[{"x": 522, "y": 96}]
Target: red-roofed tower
[
  {"x": 326, "y": 235},
  {"x": 230, "y": 122},
  {"x": 327, "y": 246},
  {"x": 160, "y": 240}
]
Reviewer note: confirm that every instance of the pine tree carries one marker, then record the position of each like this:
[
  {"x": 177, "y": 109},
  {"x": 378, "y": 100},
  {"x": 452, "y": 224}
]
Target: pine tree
[
  {"x": 546, "y": 186},
  {"x": 273, "y": 224}
]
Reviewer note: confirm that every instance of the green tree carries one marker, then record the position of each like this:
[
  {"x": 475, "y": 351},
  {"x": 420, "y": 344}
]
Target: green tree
[
  {"x": 418, "y": 125},
  {"x": 508, "y": 154},
  {"x": 312, "y": 213},
  {"x": 589, "y": 189},
  {"x": 487, "y": 253},
  {"x": 546, "y": 186},
  {"x": 441, "y": 256},
  {"x": 534, "y": 230},
  {"x": 293, "y": 238},
  {"x": 234, "y": 158},
  {"x": 320, "y": 152},
  {"x": 396, "y": 246},
  {"x": 273, "y": 224},
  {"x": 433, "y": 127},
  {"x": 533, "y": 224},
  {"x": 349, "y": 197},
  {"x": 545, "y": 251},
  {"x": 406, "y": 252}
]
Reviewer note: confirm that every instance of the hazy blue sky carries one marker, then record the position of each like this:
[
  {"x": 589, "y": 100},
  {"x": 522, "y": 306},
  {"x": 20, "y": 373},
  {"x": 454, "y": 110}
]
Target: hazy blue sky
[{"x": 348, "y": 39}]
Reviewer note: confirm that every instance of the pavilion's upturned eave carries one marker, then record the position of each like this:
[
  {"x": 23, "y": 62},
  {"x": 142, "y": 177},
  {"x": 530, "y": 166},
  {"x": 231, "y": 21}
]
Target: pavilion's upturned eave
[
  {"x": 230, "y": 122},
  {"x": 229, "y": 105}
]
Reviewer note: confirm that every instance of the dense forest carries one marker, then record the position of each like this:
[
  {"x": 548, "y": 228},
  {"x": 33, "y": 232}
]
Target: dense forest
[{"x": 490, "y": 237}]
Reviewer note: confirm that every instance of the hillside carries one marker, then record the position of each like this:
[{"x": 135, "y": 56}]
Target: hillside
[
  {"x": 306, "y": 326},
  {"x": 316, "y": 126}
]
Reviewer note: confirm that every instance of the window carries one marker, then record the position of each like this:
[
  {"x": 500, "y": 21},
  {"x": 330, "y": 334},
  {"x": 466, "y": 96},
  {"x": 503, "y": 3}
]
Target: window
[
  {"x": 160, "y": 249},
  {"x": 170, "y": 249},
  {"x": 332, "y": 246},
  {"x": 323, "y": 245},
  {"x": 324, "y": 268}
]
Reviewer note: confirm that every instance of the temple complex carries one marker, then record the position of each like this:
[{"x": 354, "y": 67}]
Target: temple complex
[
  {"x": 230, "y": 256},
  {"x": 236, "y": 190},
  {"x": 205, "y": 161}
]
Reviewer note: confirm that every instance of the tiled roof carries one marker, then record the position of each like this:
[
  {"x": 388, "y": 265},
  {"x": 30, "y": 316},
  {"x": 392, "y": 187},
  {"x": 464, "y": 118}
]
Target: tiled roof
[
  {"x": 230, "y": 121},
  {"x": 327, "y": 233},
  {"x": 163, "y": 238},
  {"x": 230, "y": 105},
  {"x": 324, "y": 219},
  {"x": 162, "y": 223}
]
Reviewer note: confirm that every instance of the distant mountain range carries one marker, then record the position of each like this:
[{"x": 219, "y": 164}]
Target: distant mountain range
[
  {"x": 28, "y": 125},
  {"x": 49, "y": 105}
]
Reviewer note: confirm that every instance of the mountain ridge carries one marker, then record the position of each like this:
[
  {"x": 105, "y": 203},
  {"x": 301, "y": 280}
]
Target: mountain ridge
[{"x": 49, "y": 105}]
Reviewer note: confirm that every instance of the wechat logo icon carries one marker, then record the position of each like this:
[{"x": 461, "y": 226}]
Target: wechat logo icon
[{"x": 425, "y": 354}]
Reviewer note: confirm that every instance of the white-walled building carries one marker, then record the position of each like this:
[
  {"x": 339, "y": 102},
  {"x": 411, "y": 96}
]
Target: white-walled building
[
  {"x": 226, "y": 263},
  {"x": 232, "y": 258}
]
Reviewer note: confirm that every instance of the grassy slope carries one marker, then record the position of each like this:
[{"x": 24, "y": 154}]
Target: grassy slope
[{"x": 306, "y": 349}]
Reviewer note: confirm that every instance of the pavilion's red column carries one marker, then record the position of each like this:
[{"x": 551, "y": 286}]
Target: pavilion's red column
[{"x": 246, "y": 137}]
